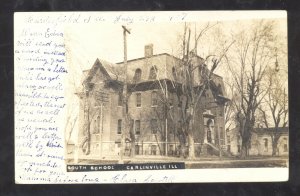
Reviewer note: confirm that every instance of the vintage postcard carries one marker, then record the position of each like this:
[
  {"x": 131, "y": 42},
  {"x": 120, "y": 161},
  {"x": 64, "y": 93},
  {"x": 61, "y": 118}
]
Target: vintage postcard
[{"x": 151, "y": 97}]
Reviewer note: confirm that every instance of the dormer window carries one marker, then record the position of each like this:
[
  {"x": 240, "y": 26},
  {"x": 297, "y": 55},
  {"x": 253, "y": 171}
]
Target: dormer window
[
  {"x": 137, "y": 75},
  {"x": 152, "y": 74}
]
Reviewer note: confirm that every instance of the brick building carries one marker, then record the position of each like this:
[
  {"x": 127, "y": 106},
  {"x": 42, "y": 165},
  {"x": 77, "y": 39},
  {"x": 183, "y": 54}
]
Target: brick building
[
  {"x": 261, "y": 141},
  {"x": 151, "y": 79}
]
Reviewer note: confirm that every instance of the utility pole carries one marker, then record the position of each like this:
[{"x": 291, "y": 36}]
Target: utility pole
[{"x": 125, "y": 97}]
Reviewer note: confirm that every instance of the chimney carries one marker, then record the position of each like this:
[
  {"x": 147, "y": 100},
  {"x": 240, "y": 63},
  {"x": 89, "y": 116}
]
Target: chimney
[{"x": 148, "y": 50}]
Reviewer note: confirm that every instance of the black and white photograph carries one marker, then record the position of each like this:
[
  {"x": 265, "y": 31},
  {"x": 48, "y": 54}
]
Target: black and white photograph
[
  {"x": 151, "y": 97},
  {"x": 199, "y": 94}
]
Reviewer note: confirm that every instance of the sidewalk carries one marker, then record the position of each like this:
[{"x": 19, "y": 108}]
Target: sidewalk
[{"x": 199, "y": 162}]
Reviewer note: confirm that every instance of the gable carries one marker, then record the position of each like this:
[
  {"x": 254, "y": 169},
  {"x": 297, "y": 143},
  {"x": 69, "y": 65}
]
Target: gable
[{"x": 97, "y": 70}]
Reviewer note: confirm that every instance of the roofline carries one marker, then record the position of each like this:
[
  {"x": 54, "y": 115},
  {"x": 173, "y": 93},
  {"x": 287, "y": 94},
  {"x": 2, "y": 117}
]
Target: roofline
[
  {"x": 150, "y": 57},
  {"x": 155, "y": 55}
]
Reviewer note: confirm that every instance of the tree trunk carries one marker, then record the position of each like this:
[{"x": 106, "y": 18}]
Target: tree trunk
[
  {"x": 191, "y": 147},
  {"x": 244, "y": 150},
  {"x": 132, "y": 153},
  {"x": 274, "y": 148}
]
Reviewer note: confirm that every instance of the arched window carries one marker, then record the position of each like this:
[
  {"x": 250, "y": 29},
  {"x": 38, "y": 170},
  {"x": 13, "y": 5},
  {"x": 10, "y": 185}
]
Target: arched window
[
  {"x": 152, "y": 74},
  {"x": 137, "y": 75}
]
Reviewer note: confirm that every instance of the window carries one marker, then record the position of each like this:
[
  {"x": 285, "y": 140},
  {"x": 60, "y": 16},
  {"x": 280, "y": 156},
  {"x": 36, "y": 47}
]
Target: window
[
  {"x": 98, "y": 125},
  {"x": 221, "y": 133},
  {"x": 228, "y": 148},
  {"x": 137, "y": 75},
  {"x": 154, "y": 98},
  {"x": 266, "y": 144},
  {"x": 138, "y": 100},
  {"x": 120, "y": 99},
  {"x": 131, "y": 126},
  {"x": 239, "y": 148},
  {"x": 220, "y": 89},
  {"x": 137, "y": 127},
  {"x": 285, "y": 146},
  {"x": 119, "y": 126},
  {"x": 152, "y": 74},
  {"x": 171, "y": 100},
  {"x": 153, "y": 149},
  {"x": 154, "y": 126},
  {"x": 174, "y": 72},
  {"x": 228, "y": 139},
  {"x": 95, "y": 126},
  {"x": 221, "y": 111},
  {"x": 137, "y": 149}
]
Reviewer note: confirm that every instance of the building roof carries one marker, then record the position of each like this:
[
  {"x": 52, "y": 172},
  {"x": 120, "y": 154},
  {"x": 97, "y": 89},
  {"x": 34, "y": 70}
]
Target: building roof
[
  {"x": 271, "y": 129},
  {"x": 154, "y": 55},
  {"x": 115, "y": 72}
]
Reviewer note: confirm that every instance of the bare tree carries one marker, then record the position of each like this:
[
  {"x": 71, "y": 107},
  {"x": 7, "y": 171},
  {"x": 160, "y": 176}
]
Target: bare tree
[
  {"x": 274, "y": 111},
  {"x": 188, "y": 89},
  {"x": 254, "y": 50},
  {"x": 229, "y": 109}
]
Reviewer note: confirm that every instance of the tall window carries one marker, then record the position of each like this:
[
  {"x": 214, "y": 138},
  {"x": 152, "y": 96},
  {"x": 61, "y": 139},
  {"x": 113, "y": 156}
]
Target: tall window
[
  {"x": 153, "y": 71},
  {"x": 95, "y": 126},
  {"x": 171, "y": 100},
  {"x": 98, "y": 125},
  {"x": 266, "y": 144},
  {"x": 220, "y": 89},
  {"x": 137, "y": 127},
  {"x": 228, "y": 139},
  {"x": 154, "y": 126},
  {"x": 222, "y": 136},
  {"x": 174, "y": 72},
  {"x": 138, "y": 100},
  {"x": 131, "y": 125},
  {"x": 221, "y": 111},
  {"x": 120, "y": 99},
  {"x": 119, "y": 131},
  {"x": 137, "y": 75},
  {"x": 285, "y": 145},
  {"x": 154, "y": 98}
]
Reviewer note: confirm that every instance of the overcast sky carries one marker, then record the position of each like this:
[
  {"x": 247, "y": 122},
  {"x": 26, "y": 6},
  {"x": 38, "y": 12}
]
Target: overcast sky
[
  {"x": 86, "y": 43},
  {"x": 105, "y": 41}
]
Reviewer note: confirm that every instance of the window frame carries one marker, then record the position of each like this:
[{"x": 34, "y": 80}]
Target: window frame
[
  {"x": 119, "y": 128},
  {"x": 153, "y": 73},
  {"x": 120, "y": 99},
  {"x": 138, "y": 100},
  {"x": 137, "y": 127},
  {"x": 152, "y": 99},
  {"x": 154, "y": 126},
  {"x": 137, "y": 75}
]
